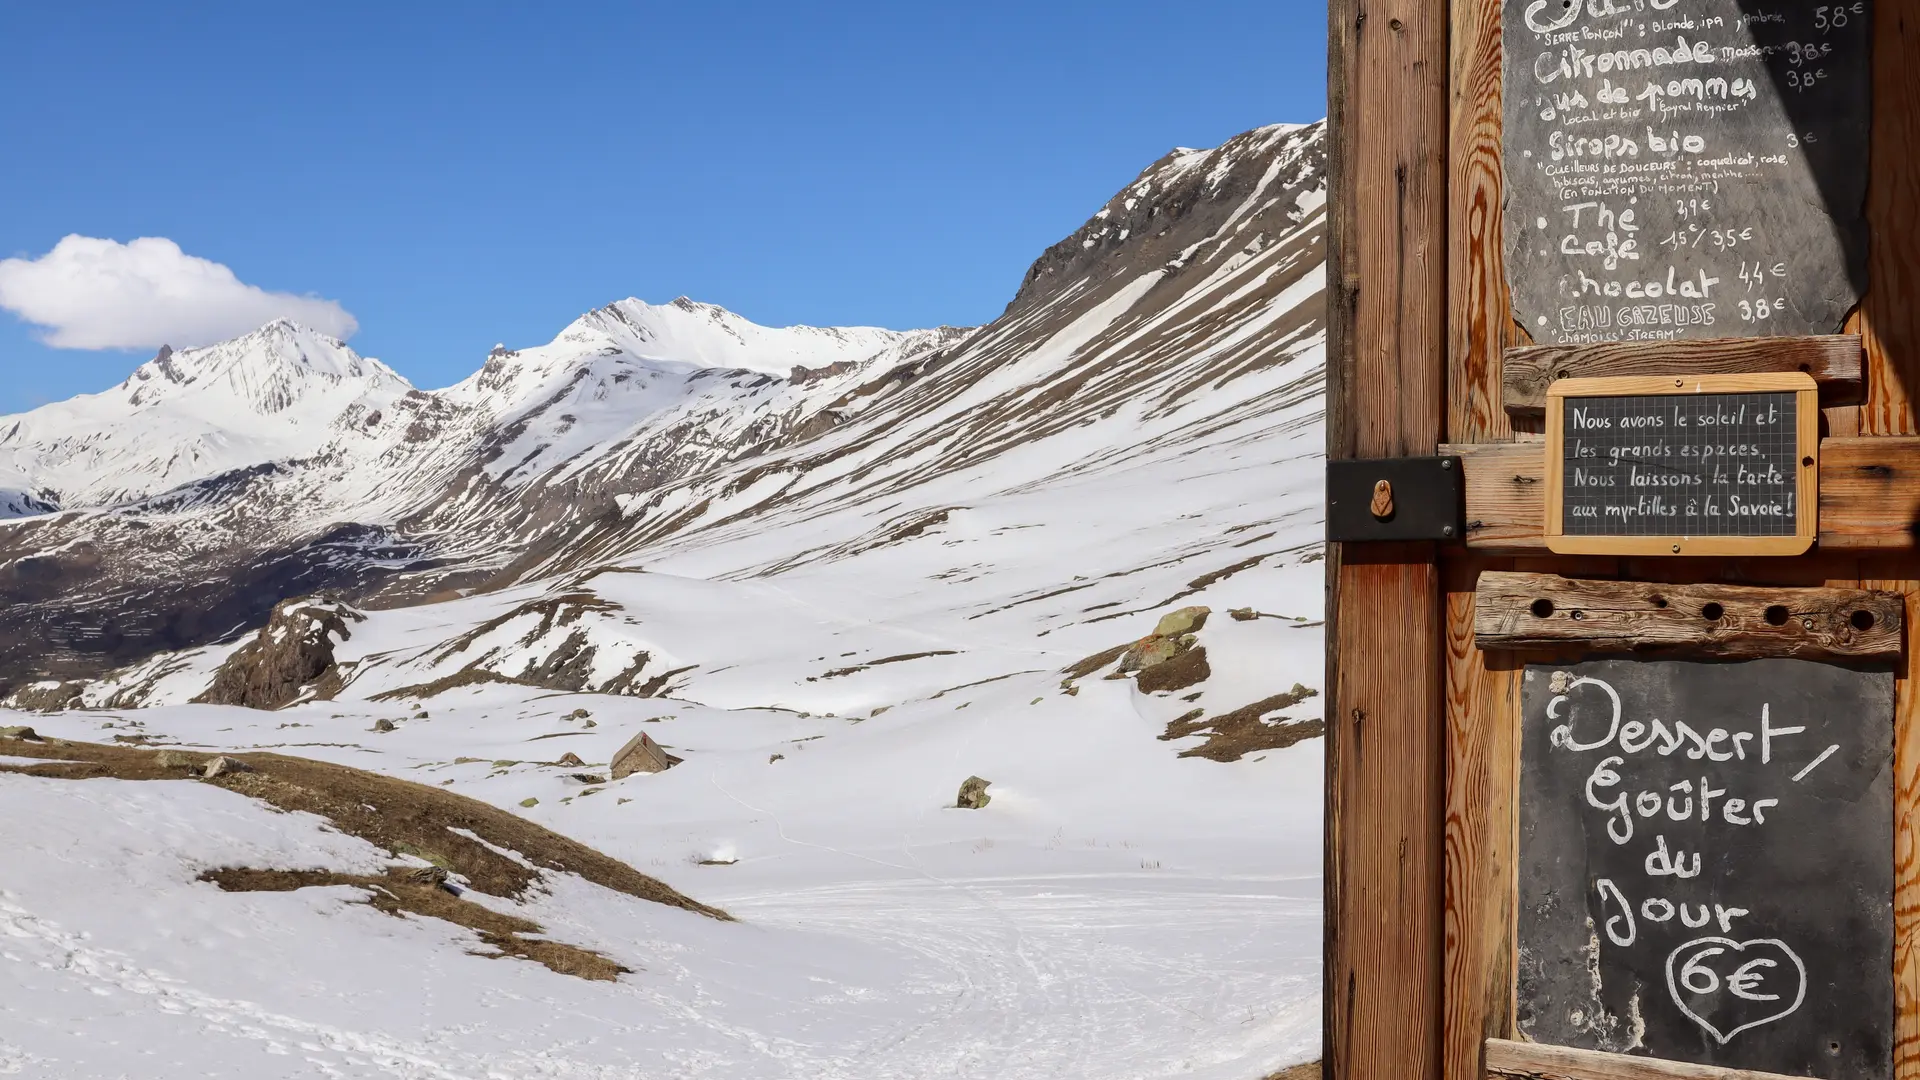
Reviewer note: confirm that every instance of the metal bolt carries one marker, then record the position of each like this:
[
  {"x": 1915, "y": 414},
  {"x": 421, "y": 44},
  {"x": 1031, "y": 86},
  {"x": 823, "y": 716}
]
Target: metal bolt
[
  {"x": 1446, "y": 530},
  {"x": 1676, "y": 549},
  {"x": 1446, "y": 463}
]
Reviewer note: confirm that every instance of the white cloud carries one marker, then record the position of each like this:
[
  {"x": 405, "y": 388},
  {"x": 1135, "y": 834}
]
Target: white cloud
[{"x": 89, "y": 293}]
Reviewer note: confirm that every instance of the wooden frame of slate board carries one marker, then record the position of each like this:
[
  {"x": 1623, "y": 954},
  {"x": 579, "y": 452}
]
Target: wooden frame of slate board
[
  {"x": 1428, "y": 352},
  {"x": 1668, "y": 431}
]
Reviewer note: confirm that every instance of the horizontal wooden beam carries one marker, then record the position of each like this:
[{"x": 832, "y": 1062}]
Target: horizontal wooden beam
[
  {"x": 1833, "y": 360},
  {"x": 1869, "y": 494},
  {"x": 1505, "y": 487},
  {"x": 1546, "y": 611},
  {"x": 1508, "y": 1060}
]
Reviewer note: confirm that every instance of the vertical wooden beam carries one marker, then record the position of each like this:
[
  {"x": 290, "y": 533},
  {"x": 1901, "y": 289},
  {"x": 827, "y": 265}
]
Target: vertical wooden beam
[
  {"x": 1890, "y": 326},
  {"x": 1483, "y": 747},
  {"x": 1482, "y": 714},
  {"x": 1890, "y": 313},
  {"x": 1386, "y": 340},
  {"x": 1480, "y": 309}
]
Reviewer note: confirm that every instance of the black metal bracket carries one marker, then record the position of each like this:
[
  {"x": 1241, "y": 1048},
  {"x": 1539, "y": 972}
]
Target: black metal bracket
[{"x": 1395, "y": 499}]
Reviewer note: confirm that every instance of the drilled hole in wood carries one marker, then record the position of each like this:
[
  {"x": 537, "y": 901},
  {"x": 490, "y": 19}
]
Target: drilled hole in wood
[
  {"x": 1777, "y": 615},
  {"x": 1659, "y": 601},
  {"x": 1807, "y": 461},
  {"x": 1808, "y": 368},
  {"x": 1862, "y": 620},
  {"x": 1542, "y": 608},
  {"x": 1561, "y": 375},
  {"x": 1712, "y": 612}
]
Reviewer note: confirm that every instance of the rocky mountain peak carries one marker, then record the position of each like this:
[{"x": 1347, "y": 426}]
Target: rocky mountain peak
[{"x": 1179, "y": 206}]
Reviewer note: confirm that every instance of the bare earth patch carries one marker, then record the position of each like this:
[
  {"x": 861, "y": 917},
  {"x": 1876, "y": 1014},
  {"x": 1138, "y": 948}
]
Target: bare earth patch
[{"x": 1233, "y": 735}]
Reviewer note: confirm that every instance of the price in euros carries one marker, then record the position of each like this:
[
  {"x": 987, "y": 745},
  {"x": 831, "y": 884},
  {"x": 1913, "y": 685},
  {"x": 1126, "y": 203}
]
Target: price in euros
[
  {"x": 1761, "y": 310},
  {"x": 1805, "y": 80},
  {"x": 1799, "y": 53},
  {"x": 1754, "y": 275},
  {"x": 1722, "y": 239},
  {"x": 1828, "y": 18}
]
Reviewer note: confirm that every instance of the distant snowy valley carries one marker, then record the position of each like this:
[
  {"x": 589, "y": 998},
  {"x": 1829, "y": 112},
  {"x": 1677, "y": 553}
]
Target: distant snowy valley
[{"x": 834, "y": 573}]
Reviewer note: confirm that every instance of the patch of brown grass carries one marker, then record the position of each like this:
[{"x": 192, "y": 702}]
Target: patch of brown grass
[
  {"x": 397, "y": 815},
  {"x": 1233, "y": 735},
  {"x": 398, "y": 892},
  {"x": 1095, "y": 662},
  {"x": 463, "y": 677},
  {"x": 1308, "y": 1071}
]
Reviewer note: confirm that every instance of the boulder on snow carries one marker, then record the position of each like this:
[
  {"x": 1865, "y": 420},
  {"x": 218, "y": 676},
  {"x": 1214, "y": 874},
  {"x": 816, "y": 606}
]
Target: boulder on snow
[
  {"x": 589, "y": 778},
  {"x": 1186, "y": 620},
  {"x": 20, "y": 732},
  {"x": 570, "y": 759},
  {"x": 289, "y": 654},
  {"x": 1148, "y": 651},
  {"x": 641, "y": 754},
  {"x": 383, "y": 724},
  {"x": 224, "y": 765},
  {"x": 973, "y": 794}
]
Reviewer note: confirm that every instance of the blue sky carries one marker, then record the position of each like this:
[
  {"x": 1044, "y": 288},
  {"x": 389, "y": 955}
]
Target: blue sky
[{"x": 457, "y": 175}]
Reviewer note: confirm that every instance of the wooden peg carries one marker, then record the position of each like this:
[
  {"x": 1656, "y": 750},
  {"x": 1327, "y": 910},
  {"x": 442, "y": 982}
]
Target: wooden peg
[{"x": 1382, "y": 500}]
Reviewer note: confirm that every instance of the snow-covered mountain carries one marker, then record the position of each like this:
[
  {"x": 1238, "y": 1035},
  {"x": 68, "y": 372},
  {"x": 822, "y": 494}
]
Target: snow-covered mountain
[
  {"x": 279, "y": 393},
  {"x": 1073, "y": 552}
]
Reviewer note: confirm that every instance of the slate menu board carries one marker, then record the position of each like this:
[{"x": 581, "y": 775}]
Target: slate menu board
[
  {"x": 1706, "y": 863},
  {"x": 1681, "y": 465},
  {"x": 1685, "y": 168}
]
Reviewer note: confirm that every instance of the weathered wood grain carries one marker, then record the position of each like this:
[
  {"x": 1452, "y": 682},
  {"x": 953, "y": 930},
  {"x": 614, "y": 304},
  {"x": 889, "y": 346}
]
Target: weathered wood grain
[
  {"x": 1479, "y": 324},
  {"x": 1505, "y": 490},
  {"x": 1889, "y": 323},
  {"x": 1530, "y": 611},
  {"x": 1482, "y": 754},
  {"x": 1869, "y": 495},
  {"x": 1890, "y": 312},
  {"x": 1870, "y": 492},
  {"x": 1835, "y": 362},
  {"x": 1386, "y": 397},
  {"x": 1532, "y": 1061},
  {"x": 1901, "y": 573}
]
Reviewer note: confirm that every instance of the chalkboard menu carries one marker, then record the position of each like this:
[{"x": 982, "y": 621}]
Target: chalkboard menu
[
  {"x": 1706, "y": 465},
  {"x": 1706, "y": 863},
  {"x": 1685, "y": 168}
]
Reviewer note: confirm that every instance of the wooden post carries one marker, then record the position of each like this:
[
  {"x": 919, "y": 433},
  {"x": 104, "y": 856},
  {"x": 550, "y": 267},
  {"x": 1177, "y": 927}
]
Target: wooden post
[{"x": 1386, "y": 397}]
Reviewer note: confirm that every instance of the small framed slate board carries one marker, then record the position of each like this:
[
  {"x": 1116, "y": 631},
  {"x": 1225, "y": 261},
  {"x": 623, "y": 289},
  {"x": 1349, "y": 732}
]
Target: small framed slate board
[
  {"x": 1706, "y": 863},
  {"x": 1687, "y": 465},
  {"x": 1685, "y": 168}
]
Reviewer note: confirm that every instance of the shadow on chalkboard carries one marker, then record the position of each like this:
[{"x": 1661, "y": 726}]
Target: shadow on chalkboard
[{"x": 1841, "y": 125}]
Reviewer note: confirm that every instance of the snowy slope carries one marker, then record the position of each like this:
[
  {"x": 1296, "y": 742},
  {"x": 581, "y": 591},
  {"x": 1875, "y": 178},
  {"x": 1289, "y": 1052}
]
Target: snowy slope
[{"x": 835, "y": 592}]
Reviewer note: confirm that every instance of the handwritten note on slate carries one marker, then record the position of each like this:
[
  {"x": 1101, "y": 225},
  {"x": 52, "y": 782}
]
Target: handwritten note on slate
[
  {"x": 1685, "y": 168},
  {"x": 1681, "y": 465},
  {"x": 1706, "y": 863}
]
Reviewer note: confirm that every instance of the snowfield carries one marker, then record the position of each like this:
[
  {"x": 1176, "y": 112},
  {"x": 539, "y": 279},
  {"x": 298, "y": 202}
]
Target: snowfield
[{"x": 833, "y": 625}]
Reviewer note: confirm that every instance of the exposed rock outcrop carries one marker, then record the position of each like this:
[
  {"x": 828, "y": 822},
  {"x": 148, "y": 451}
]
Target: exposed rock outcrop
[
  {"x": 48, "y": 695},
  {"x": 290, "y": 659}
]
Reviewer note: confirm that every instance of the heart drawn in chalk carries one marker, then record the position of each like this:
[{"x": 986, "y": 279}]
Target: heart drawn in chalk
[{"x": 1729, "y": 986}]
